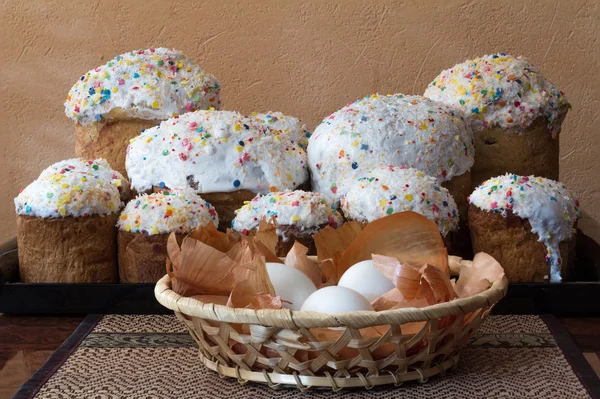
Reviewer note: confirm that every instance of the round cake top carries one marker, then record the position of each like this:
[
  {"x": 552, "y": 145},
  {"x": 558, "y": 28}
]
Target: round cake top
[
  {"x": 549, "y": 207},
  {"x": 394, "y": 130},
  {"x": 304, "y": 209},
  {"x": 146, "y": 84},
  {"x": 215, "y": 151},
  {"x": 279, "y": 124},
  {"x": 179, "y": 211},
  {"x": 500, "y": 90},
  {"x": 70, "y": 194},
  {"x": 96, "y": 167},
  {"x": 386, "y": 191}
]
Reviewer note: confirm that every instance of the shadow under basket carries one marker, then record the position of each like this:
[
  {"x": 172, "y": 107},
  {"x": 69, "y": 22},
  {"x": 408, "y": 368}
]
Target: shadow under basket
[{"x": 345, "y": 350}]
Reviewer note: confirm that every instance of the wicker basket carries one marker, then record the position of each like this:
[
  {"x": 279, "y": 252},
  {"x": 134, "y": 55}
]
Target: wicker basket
[{"x": 274, "y": 345}]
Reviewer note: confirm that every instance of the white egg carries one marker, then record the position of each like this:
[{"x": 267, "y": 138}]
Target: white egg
[
  {"x": 290, "y": 284},
  {"x": 365, "y": 279},
  {"x": 336, "y": 299}
]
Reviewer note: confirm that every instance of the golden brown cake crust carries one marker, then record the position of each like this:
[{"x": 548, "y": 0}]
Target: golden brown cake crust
[
  {"x": 510, "y": 241},
  {"x": 109, "y": 139},
  {"x": 142, "y": 257},
  {"x": 533, "y": 153},
  {"x": 67, "y": 250},
  {"x": 459, "y": 242}
]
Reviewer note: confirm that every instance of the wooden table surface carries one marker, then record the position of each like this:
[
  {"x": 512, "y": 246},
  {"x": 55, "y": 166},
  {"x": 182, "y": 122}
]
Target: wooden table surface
[{"x": 27, "y": 341}]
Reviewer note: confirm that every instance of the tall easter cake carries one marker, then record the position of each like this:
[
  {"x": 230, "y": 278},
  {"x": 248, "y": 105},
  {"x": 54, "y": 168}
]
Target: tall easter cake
[
  {"x": 515, "y": 112},
  {"x": 114, "y": 102},
  {"x": 66, "y": 229}
]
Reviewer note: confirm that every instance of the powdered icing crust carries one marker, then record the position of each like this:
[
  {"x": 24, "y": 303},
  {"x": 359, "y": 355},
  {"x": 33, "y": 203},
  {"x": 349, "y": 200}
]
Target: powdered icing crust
[
  {"x": 167, "y": 211},
  {"x": 390, "y": 190},
  {"x": 306, "y": 210},
  {"x": 69, "y": 194},
  {"x": 395, "y": 130},
  {"x": 96, "y": 167},
  {"x": 279, "y": 124},
  {"x": 215, "y": 151},
  {"x": 500, "y": 90},
  {"x": 549, "y": 207},
  {"x": 147, "y": 84}
]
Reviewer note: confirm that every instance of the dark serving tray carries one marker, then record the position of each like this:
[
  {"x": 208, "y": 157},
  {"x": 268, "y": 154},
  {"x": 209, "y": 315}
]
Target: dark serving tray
[{"x": 577, "y": 298}]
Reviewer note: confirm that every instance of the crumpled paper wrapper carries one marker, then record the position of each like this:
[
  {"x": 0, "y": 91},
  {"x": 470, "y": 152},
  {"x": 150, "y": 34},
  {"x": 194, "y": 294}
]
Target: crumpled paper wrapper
[{"x": 67, "y": 250}]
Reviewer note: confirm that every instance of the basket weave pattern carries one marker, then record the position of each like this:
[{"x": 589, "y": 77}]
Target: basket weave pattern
[{"x": 307, "y": 349}]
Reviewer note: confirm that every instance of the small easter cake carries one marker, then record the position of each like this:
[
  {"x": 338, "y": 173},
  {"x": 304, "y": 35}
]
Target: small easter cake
[
  {"x": 114, "y": 102},
  {"x": 225, "y": 156},
  {"x": 386, "y": 191},
  {"x": 299, "y": 215},
  {"x": 97, "y": 167},
  {"x": 144, "y": 228},
  {"x": 515, "y": 112},
  {"x": 527, "y": 224},
  {"x": 66, "y": 229}
]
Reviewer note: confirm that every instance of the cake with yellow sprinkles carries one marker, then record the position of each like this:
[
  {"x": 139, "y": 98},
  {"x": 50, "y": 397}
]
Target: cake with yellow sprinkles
[
  {"x": 66, "y": 229},
  {"x": 515, "y": 112},
  {"x": 386, "y": 191},
  {"x": 114, "y": 102},
  {"x": 225, "y": 156},
  {"x": 526, "y": 223},
  {"x": 96, "y": 167},
  {"x": 145, "y": 225},
  {"x": 298, "y": 214}
]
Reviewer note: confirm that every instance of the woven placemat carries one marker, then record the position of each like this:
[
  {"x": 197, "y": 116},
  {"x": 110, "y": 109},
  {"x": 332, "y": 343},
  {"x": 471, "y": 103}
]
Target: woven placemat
[{"x": 152, "y": 356}]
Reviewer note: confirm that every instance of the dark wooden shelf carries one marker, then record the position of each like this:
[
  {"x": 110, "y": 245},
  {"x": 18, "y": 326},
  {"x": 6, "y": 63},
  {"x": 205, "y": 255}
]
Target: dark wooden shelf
[{"x": 578, "y": 298}]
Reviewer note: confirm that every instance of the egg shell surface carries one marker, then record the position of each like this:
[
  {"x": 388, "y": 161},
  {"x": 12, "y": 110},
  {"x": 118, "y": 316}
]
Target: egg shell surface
[
  {"x": 336, "y": 299},
  {"x": 290, "y": 284}
]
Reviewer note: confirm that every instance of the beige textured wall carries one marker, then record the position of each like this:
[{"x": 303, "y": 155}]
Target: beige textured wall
[{"x": 305, "y": 59}]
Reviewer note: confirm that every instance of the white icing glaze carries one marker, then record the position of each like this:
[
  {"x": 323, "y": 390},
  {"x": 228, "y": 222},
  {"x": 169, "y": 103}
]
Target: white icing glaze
[
  {"x": 147, "y": 84},
  {"x": 500, "y": 90},
  {"x": 279, "y": 124},
  {"x": 307, "y": 210},
  {"x": 96, "y": 167},
  {"x": 71, "y": 194},
  {"x": 386, "y": 191},
  {"x": 549, "y": 207},
  {"x": 179, "y": 211},
  {"x": 215, "y": 151},
  {"x": 395, "y": 130}
]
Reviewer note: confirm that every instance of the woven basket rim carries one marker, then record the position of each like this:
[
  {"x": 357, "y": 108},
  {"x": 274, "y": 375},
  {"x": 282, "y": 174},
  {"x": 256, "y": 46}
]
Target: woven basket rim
[{"x": 285, "y": 318}]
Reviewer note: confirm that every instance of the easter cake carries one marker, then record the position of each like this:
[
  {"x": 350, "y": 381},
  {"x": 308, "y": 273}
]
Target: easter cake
[
  {"x": 225, "y": 156},
  {"x": 527, "y": 224},
  {"x": 395, "y": 130},
  {"x": 144, "y": 228},
  {"x": 114, "y": 102},
  {"x": 299, "y": 215},
  {"x": 66, "y": 228},
  {"x": 515, "y": 112},
  {"x": 390, "y": 190}
]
